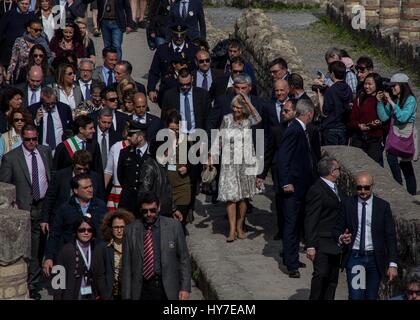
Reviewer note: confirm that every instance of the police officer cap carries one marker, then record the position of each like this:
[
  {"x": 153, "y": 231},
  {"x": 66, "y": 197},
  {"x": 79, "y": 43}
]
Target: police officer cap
[
  {"x": 136, "y": 126},
  {"x": 178, "y": 28}
]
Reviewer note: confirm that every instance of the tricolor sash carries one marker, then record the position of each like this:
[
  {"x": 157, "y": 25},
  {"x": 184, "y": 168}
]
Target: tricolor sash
[{"x": 71, "y": 145}]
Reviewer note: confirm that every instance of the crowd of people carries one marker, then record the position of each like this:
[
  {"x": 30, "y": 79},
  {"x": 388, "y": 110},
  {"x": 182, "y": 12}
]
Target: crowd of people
[{"x": 81, "y": 147}]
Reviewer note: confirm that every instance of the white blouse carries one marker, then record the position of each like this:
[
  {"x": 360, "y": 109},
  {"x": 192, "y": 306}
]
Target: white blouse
[{"x": 49, "y": 26}]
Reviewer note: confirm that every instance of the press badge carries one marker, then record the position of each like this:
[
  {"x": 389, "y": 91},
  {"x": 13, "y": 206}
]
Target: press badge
[
  {"x": 171, "y": 244},
  {"x": 172, "y": 167},
  {"x": 86, "y": 290}
]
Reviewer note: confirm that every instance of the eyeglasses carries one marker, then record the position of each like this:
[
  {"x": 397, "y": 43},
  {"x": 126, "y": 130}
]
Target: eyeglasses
[
  {"x": 411, "y": 292},
  {"x": 86, "y": 70},
  {"x": 112, "y": 99},
  {"x": 69, "y": 73},
  {"x": 19, "y": 119},
  {"x": 83, "y": 230},
  {"x": 145, "y": 211},
  {"x": 38, "y": 55},
  {"x": 361, "y": 69},
  {"x": 37, "y": 30},
  {"x": 30, "y": 139},
  {"x": 237, "y": 71},
  {"x": 118, "y": 227},
  {"x": 204, "y": 61},
  {"x": 360, "y": 188}
]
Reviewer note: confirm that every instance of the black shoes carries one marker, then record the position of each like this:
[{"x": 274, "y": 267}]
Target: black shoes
[
  {"x": 142, "y": 24},
  {"x": 294, "y": 274},
  {"x": 302, "y": 265}
]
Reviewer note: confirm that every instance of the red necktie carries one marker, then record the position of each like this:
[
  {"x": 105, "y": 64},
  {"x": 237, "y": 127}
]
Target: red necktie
[{"x": 148, "y": 269}]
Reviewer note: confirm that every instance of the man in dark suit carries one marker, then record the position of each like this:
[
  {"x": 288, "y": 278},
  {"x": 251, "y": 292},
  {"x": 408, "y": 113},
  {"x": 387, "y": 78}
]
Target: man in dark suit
[
  {"x": 164, "y": 56},
  {"x": 205, "y": 77},
  {"x": 274, "y": 109},
  {"x": 295, "y": 172},
  {"x": 321, "y": 211},
  {"x": 83, "y": 130},
  {"x": 105, "y": 73},
  {"x": 153, "y": 123},
  {"x": 191, "y": 13},
  {"x": 29, "y": 168},
  {"x": 278, "y": 71},
  {"x": 123, "y": 70},
  {"x": 32, "y": 87},
  {"x": 59, "y": 190},
  {"x": 85, "y": 81},
  {"x": 103, "y": 135},
  {"x": 297, "y": 90},
  {"x": 51, "y": 117},
  {"x": 366, "y": 230},
  {"x": 150, "y": 271}
]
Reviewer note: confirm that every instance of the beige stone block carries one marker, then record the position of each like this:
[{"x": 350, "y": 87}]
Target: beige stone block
[
  {"x": 22, "y": 289},
  {"x": 9, "y": 293},
  {"x": 13, "y": 270}
]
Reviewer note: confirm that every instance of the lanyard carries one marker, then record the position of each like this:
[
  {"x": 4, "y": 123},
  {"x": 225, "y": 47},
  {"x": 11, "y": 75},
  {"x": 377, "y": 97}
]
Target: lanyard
[{"x": 87, "y": 259}]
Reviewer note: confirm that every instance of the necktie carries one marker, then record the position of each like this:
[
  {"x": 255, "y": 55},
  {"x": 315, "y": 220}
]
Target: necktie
[
  {"x": 204, "y": 84},
  {"x": 227, "y": 67},
  {"x": 50, "y": 132},
  {"x": 336, "y": 191},
  {"x": 36, "y": 193},
  {"x": 139, "y": 152},
  {"x": 363, "y": 229},
  {"x": 104, "y": 150},
  {"x": 187, "y": 111},
  {"x": 178, "y": 49},
  {"x": 109, "y": 81},
  {"x": 33, "y": 98},
  {"x": 83, "y": 145},
  {"x": 310, "y": 149},
  {"x": 148, "y": 269},
  {"x": 141, "y": 119},
  {"x": 279, "y": 106},
  {"x": 87, "y": 92},
  {"x": 184, "y": 9}
]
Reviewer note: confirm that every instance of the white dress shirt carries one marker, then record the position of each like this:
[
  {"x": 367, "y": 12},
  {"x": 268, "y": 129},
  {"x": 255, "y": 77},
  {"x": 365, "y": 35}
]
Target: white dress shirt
[
  {"x": 142, "y": 119},
  {"x": 67, "y": 99},
  {"x": 181, "y": 5},
  {"x": 49, "y": 26},
  {"x": 112, "y": 162},
  {"x": 143, "y": 149},
  {"x": 176, "y": 47}
]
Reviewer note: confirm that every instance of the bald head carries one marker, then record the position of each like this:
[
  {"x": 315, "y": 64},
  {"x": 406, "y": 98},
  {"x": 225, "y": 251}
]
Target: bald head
[
  {"x": 364, "y": 185},
  {"x": 34, "y": 77},
  {"x": 140, "y": 104},
  {"x": 281, "y": 89}
]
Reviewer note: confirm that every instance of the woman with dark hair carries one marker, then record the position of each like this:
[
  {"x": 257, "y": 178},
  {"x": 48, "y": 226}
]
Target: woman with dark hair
[
  {"x": 76, "y": 258},
  {"x": 108, "y": 255},
  {"x": 401, "y": 109},
  {"x": 20, "y": 51},
  {"x": 38, "y": 57},
  {"x": 11, "y": 139},
  {"x": 65, "y": 89},
  {"x": 12, "y": 98},
  {"x": 68, "y": 39},
  {"x": 364, "y": 121}
]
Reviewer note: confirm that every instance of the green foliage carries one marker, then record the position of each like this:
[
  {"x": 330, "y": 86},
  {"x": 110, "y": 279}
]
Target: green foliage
[{"x": 267, "y": 5}]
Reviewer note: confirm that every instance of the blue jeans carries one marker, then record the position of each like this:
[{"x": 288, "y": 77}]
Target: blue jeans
[
  {"x": 112, "y": 36},
  {"x": 407, "y": 168},
  {"x": 371, "y": 280},
  {"x": 332, "y": 137}
]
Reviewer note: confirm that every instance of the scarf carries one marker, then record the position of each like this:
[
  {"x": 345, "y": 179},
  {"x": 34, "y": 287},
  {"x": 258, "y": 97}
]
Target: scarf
[{"x": 41, "y": 40}]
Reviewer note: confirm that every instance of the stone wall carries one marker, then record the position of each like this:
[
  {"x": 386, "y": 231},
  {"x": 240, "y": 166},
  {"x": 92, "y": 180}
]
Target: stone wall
[
  {"x": 393, "y": 25},
  {"x": 405, "y": 208},
  {"x": 249, "y": 3},
  {"x": 15, "y": 243}
]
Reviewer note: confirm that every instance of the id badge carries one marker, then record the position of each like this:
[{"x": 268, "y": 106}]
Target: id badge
[
  {"x": 172, "y": 167},
  {"x": 86, "y": 290}
]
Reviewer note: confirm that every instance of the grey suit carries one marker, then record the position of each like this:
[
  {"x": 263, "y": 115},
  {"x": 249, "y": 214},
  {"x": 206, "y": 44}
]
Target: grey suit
[
  {"x": 174, "y": 257},
  {"x": 14, "y": 170}
]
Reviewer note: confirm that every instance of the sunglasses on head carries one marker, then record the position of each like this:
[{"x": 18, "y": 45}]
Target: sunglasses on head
[
  {"x": 83, "y": 230},
  {"x": 145, "y": 211},
  {"x": 204, "y": 60},
  {"x": 30, "y": 139},
  {"x": 360, "y": 188}
]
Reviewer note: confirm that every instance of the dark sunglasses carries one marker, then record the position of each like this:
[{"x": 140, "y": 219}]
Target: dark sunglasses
[
  {"x": 30, "y": 139},
  {"x": 70, "y": 73},
  {"x": 18, "y": 119},
  {"x": 185, "y": 85},
  {"x": 83, "y": 230},
  {"x": 237, "y": 71},
  {"x": 204, "y": 60},
  {"x": 38, "y": 55},
  {"x": 145, "y": 211},
  {"x": 37, "y": 30},
  {"x": 360, "y": 188},
  {"x": 411, "y": 292},
  {"x": 362, "y": 69},
  {"x": 112, "y": 99}
]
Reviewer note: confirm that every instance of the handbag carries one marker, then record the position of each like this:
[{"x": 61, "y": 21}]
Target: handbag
[{"x": 400, "y": 140}]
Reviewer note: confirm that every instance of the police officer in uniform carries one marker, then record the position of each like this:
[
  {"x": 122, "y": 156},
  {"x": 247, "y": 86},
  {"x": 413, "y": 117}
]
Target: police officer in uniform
[
  {"x": 165, "y": 54},
  {"x": 130, "y": 162}
]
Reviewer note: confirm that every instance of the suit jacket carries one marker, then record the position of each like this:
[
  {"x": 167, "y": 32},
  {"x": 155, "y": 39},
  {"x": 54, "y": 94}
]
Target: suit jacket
[
  {"x": 321, "y": 214},
  {"x": 103, "y": 270},
  {"x": 154, "y": 124},
  {"x": 201, "y": 105},
  {"x": 64, "y": 112},
  {"x": 175, "y": 260},
  {"x": 25, "y": 98},
  {"x": 14, "y": 170},
  {"x": 59, "y": 191},
  {"x": 215, "y": 75},
  {"x": 194, "y": 20},
  {"x": 295, "y": 164},
  {"x": 384, "y": 236},
  {"x": 78, "y": 96},
  {"x": 98, "y": 76},
  {"x": 113, "y": 137},
  {"x": 121, "y": 119},
  {"x": 63, "y": 160}
]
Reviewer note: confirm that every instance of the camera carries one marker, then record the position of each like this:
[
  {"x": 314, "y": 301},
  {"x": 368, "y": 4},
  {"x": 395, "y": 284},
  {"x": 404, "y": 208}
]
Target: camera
[
  {"x": 387, "y": 87},
  {"x": 321, "y": 88}
]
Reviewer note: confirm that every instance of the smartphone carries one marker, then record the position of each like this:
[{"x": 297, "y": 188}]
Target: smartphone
[{"x": 320, "y": 74}]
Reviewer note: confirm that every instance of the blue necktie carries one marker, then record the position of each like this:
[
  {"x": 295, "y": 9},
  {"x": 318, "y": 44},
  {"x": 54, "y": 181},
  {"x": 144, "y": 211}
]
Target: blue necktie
[
  {"x": 184, "y": 9},
  {"x": 87, "y": 92},
  {"x": 363, "y": 229},
  {"x": 187, "y": 111},
  {"x": 109, "y": 81},
  {"x": 204, "y": 84},
  {"x": 50, "y": 132},
  {"x": 36, "y": 193},
  {"x": 83, "y": 145}
]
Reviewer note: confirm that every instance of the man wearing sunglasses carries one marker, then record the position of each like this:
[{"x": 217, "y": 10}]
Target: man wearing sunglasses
[
  {"x": 156, "y": 263},
  {"x": 205, "y": 77},
  {"x": 412, "y": 286},
  {"x": 366, "y": 231},
  {"x": 28, "y": 168}
]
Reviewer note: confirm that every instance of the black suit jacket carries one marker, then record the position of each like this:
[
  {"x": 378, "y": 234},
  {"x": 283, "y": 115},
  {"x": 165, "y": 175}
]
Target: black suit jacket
[
  {"x": 59, "y": 191},
  {"x": 25, "y": 98},
  {"x": 195, "y": 22},
  {"x": 103, "y": 270},
  {"x": 321, "y": 214},
  {"x": 121, "y": 118},
  {"x": 384, "y": 236},
  {"x": 294, "y": 159},
  {"x": 154, "y": 124},
  {"x": 201, "y": 105},
  {"x": 63, "y": 160},
  {"x": 64, "y": 112},
  {"x": 215, "y": 75},
  {"x": 113, "y": 137}
]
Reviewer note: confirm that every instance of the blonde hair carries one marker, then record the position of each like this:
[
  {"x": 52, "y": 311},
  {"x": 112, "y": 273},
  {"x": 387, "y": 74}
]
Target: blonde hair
[
  {"x": 85, "y": 38},
  {"x": 238, "y": 99},
  {"x": 122, "y": 84}
]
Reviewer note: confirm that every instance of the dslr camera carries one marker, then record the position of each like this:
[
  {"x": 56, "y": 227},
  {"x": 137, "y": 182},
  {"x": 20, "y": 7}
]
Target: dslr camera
[{"x": 321, "y": 88}]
